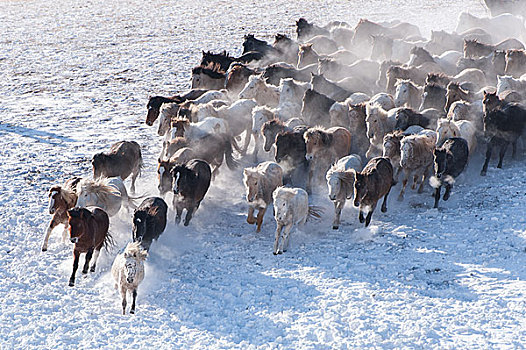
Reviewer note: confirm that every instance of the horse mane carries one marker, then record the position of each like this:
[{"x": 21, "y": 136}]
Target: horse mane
[
  {"x": 135, "y": 249},
  {"x": 417, "y": 50},
  {"x": 210, "y": 72},
  {"x": 69, "y": 196},
  {"x": 322, "y": 133},
  {"x": 99, "y": 187}
]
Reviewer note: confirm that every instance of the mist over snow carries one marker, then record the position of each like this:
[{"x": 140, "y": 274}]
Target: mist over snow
[{"x": 76, "y": 77}]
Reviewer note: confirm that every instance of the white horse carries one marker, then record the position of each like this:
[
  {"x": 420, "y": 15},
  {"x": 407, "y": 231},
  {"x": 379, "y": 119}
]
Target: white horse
[
  {"x": 341, "y": 183},
  {"x": 509, "y": 83},
  {"x": 447, "y": 128},
  {"x": 291, "y": 207},
  {"x": 407, "y": 94},
  {"x": 291, "y": 94},
  {"x": 128, "y": 272},
  {"x": 501, "y": 27},
  {"x": 379, "y": 122},
  {"x": 105, "y": 193},
  {"x": 259, "y": 90}
]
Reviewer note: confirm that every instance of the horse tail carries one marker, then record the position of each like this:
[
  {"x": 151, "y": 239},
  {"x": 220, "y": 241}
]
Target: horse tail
[
  {"x": 230, "y": 161},
  {"x": 108, "y": 242},
  {"x": 315, "y": 212}
]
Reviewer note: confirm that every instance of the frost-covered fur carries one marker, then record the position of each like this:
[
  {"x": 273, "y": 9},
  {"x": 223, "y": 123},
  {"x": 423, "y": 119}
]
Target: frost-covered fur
[{"x": 128, "y": 272}]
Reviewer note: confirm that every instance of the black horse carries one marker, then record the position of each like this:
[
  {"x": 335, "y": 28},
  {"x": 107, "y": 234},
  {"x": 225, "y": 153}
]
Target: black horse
[{"x": 149, "y": 221}]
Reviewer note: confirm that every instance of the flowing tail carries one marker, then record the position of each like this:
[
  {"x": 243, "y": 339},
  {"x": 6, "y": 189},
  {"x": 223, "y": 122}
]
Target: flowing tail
[
  {"x": 315, "y": 212},
  {"x": 230, "y": 161},
  {"x": 109, "y": 242}
]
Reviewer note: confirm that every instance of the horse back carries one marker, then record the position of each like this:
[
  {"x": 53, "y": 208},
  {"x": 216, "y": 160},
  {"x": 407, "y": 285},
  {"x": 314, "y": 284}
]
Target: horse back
[
  {"x": 99, "y": 223},
  {"x": 203, "y": 177},
  {"x": 379, "y": 174}
]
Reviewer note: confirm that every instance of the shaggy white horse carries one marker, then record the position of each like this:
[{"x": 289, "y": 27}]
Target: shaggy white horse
[
  {"x": 291, "y": 207},
  {"x": 128, "y": 272},
  {"x": 259, "y": 90},
  {"x": 447, "y": 128},
  {"x": 105, "y": 193}
]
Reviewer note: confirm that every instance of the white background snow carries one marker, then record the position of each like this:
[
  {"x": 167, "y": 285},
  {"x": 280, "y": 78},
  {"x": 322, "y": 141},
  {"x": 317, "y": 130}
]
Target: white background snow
[{"x": 75, "y": 78}]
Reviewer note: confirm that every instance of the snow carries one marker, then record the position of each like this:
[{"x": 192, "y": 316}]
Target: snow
[{"x": 76, "y": 78}]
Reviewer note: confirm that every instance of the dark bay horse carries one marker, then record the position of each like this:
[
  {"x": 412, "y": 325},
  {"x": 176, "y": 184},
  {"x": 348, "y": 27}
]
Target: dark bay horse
[
  {"x": 149, "y": 221},
  {"x": 89, "y": 233}
]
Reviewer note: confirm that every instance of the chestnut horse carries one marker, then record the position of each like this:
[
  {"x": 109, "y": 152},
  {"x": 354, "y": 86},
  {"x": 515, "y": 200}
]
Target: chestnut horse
[{"x": 89, "y": 232}]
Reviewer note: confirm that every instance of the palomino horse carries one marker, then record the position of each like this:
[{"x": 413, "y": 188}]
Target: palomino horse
[
  {"x": 260, "y": 182},
  {"x": 89, "y": 233},
  {"x": 61, "y": 199}
]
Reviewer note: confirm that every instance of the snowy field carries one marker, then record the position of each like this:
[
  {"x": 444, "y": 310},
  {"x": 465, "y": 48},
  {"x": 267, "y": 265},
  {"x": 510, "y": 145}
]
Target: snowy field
[{"x": 75, "y": 78}]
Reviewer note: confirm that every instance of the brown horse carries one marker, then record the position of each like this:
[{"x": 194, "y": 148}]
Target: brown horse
[
  {"x": 89, "y": 232},
  {"x": 61, "y": 199},
  {"x": 324, "y": 147},
  {"x": 155, "y": 103},
  {"x": 123, "y": 158}
]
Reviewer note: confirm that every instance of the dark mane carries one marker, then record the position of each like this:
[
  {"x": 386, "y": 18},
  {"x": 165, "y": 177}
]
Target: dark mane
[{"x": 211, "y": 73}]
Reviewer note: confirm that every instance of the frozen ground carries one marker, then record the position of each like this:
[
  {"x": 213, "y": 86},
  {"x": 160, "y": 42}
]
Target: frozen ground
[{"x": 75, "y": 77}]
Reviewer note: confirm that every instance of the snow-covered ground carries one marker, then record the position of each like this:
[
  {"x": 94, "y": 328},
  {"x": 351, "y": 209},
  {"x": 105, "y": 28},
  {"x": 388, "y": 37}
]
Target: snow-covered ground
[{"x": 75, "y": 77}]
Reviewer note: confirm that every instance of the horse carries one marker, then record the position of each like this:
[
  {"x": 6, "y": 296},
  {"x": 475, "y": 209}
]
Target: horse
[
  {"x": 501, "y": 27},
  {"x": 371, "y": 184},
  {"x": 341, "y": 183},
  {"x": 190, "y": 182},
  {"x": 405, "y": 117},
  {"x": 407, "y": 94},
  {"x": 290, "y": 155},
  {"x": 394, "y": 72},
  {"x": 515, "y": 62},
  {"x": 416, "y": 160},
  {"x": 223, "y": 59},
  {"x": 61, "y": 199},
  {"x": 291, "y": 206},
  {"x": 387, "y": 48},
  {"x": 434, "y": 97},
  {"x": 128, "y": 272},
  {"x": 260, "y": 182},
  {"x": 251, "y": 44},
  {"x": 474, "y": 48},
  {"x": 154, "y": 103},
  {"x": 378, "y": 122},
  {"x": 88, "y": 229},
  {"x": 306, "y": 30},
  {"x": 260, "y": 91},
  {"x": 391, "y": 150},
  {"x": 508, "y": 83},
  {"x": 275, "y": 72},
  {"x": 449, "y": 160},
  {"x": 503, "y": 124},
  {"x": 180, "y": 156},
  {"x": 315, "y": 109},
  {"x": 462, "y": 110},
  {"x": 107, "y": 193},
  {"x": 206, "y": 78},
  {"x": 358, "y": 128},
  {"x": 287, "y": 47},
  {"x": 291, "y": 95},
  {"x": 445, "y": 62},
  {"x": 149, "y": 221},
  {"x": 442, "y": 41},
  {"x": 123, "y": 158},
  {"x": 237, "y": 77},
  {"x": 270, "y": 129},
  {"x": 456, "y": 93},
  {"x": 324, "y": 147},
  {"x": 332, "y": 90},
  {"x": 447, "y": 128}
]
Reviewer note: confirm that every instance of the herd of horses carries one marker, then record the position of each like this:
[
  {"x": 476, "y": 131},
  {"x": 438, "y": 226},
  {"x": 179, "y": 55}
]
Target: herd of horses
[{"x": 340, "y": 111}]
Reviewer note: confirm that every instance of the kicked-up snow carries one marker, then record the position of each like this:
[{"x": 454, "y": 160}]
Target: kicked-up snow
[{"x": 75, "y": 78}]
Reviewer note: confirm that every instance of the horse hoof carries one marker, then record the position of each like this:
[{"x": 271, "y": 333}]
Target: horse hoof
[
  {"x": 482, "y": 173},
  {"x": 400, "y": 198},
  {"x": 275, "y": 253},
  {"x": 258, "y": 230},
  {"x": 383, "y": 210},
  {"x": 44, "y": 249},
  {"x": 92, "y": 269},
  {"x": 71, "y": 284},
  {"x": 186, "y": 223},
  {"x": 335, "y": 227},
  {"x": 251, "y": 221},
  {"x": 132, "y": 311}
]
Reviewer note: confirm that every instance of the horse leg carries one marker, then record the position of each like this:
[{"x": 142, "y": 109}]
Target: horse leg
[
  {"x": 257, "y": 146},
  {"x": 423, "y": 179},
  {"x": 286, "y": 237},
  {"x": 250, "y": 216},
  {"x": 248, "y": 137},
  {"x": 135, "y": 173},
  {"x": 383, "y": 208},
  {"x": 76, "y": 256},
  {"x": 448, "y": 191},
  {"x": 489, "y": 149},
  {"x": 404, "y": 183},
  {"x": 123, "y": 295},
  {"x": 360, "y": 216},
  {"x": 95, "y": 257},
  {"x": 134, "y": 297},
  {"x": 279, "y": 227},
  {"x": 437, "y": 196},
  {"x": 503, "y": 149},
  {"x": 369, "y": 215},
  {"x": 178, "y": 210},
  {"x": 189, "y": 213},
  {"x": 52, "y": 224},
  {"x": 261, "y": 214},
  {"x": 89, "y": 254},
  {"x": 338, "y": 206},
  {"x": 514, "y": 150}
]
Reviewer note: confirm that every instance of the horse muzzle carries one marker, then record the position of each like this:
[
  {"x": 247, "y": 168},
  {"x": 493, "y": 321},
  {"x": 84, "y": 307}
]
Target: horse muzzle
[
  {"x": 308, "y": 156},
  {"x": 52, "y": 211},
  {"x": 129, "y": 279},
  {"x": 332, "y": 197},
  {"x": 74, "y": 240},
  {"x": 356, "y": 203}
]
